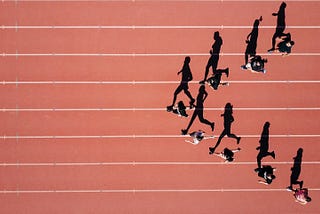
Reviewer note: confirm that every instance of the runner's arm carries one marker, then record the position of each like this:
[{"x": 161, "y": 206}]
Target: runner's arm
[{"x": 205, "y": 95}]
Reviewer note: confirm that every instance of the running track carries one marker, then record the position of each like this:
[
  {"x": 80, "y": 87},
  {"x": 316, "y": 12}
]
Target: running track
[{"x": 84, "y": 86}]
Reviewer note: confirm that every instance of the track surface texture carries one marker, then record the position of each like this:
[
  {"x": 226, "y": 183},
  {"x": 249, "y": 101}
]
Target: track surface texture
[{"x": 84, "y": 89}]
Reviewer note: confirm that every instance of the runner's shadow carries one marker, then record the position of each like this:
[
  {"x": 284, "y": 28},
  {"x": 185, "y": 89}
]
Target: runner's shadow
[
  {"x": 251, "y": 40},
  {"x": 281, "y": 24},
  {"x": 296, "y": 169},
  {"x": 198, "y": 112},
  {"x": 228, "y": 119},
  {"x": 186, "y": 77},
  {"x": 264, "y": 145},
  {"x": 215, "y": 80},
  {"x": 214, "y": 55}
]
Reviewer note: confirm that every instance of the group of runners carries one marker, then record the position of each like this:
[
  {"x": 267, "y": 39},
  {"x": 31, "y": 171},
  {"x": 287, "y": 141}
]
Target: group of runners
[{"x": 254, "y": 63}]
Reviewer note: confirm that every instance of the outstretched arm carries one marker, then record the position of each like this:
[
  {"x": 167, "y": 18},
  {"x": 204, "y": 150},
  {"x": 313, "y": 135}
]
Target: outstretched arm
[
  {"x": 263, "y": 182},
  {"x": 205, "y": 95},
  {"x": 183, "y": 68},
  {"x": 301, "y": 202},
  {"x": 249, "y": 35},
  {"x": 235, "y": 150},
  {"x": 188, "y": 141},
  {"x": 219, "y": 155}
]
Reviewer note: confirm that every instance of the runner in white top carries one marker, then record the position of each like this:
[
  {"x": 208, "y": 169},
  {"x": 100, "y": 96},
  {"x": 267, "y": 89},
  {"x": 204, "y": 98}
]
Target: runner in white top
[{"x": 198, "y": 136}]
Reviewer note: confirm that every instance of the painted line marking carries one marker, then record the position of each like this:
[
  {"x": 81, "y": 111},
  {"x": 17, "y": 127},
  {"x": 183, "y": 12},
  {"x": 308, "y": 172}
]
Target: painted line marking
[
  {"x": 134, "y": 82},
  {"x": 133, "y": 27},
  {"x": 143, "y": 190},
  {"x": 143, "y": 54},
  {"x": 143, "y": 136},
  {"x": 134, "y": 163},
  {"x": 156, "y": 1},
  {"x": 152, "y": 109}
]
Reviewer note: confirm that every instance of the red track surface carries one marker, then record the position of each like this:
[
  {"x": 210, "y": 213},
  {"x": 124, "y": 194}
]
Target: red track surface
[{"x": 90, "y": 134}]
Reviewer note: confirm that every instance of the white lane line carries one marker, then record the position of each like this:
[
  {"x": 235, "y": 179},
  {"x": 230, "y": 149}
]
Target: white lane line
[
  {"x": 134, "y": 163},
  {"x": 143, "y": 190},
  {"x": 142, "y": 136},
  {"x": 142, "y": 54},
  {"x": 155, "y": 82},
  {"x": 133, "y": 27},
  {"x": 151, "y": 109},
  {"x": 133, "y": 1}
]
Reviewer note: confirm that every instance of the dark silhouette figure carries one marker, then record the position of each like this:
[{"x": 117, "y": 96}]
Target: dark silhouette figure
[
  {"x": 285, "y": 45},
  {"x": 214, "y": 58},
  {"x": 266, "y": 172},
  {"x": 256, "y": 65},
  {"x": 215, "y": 80},
  {"x": 281, "y": 25},
  {"x": 264, "y": 145},
  {"x": 197, "y": 137},
  {"x": 198, "y": 112},
  {"x": 228, "y": 119},
  {"x": 186, "y": 77},
  {"x": 295, "y": 170},
  {"x": 227, "y": 154},
  {"x": 180, "y": 109},
  {"x": 251, "y": 41}
]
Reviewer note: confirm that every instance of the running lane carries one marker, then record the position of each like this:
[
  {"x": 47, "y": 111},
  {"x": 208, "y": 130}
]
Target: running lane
[{"x": 64, "y": 145}]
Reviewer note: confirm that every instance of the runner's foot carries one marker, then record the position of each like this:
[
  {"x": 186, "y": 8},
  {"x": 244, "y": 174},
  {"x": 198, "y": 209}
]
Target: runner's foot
[
  {"x": 211, "y": 150},
  {"x": 184, "y": 131},
  {"x": 212, "y": 126},
  {"x": 238, "y": 140}
]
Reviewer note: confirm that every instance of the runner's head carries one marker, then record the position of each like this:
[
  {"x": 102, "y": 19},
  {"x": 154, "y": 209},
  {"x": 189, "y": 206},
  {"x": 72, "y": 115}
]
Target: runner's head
[
  {"x": 283, "y": 5},
  {"x": 257, "y": 22},
  {"x": 187, "y": 60},
  {"x": 228, "y": 108},
  {"x": 299, "y": 152},
  {"x": 216, "y": 35},
  {"x": 266, "y": 125}
]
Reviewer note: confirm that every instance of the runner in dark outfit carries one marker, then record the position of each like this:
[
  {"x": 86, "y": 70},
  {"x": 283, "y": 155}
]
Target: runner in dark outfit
[
  {"x": 227, "y": 154},
  {"x": 285, "y": 45},
  {"x": 215, "y": 80},
  {"x": 266, "y": 172}
]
